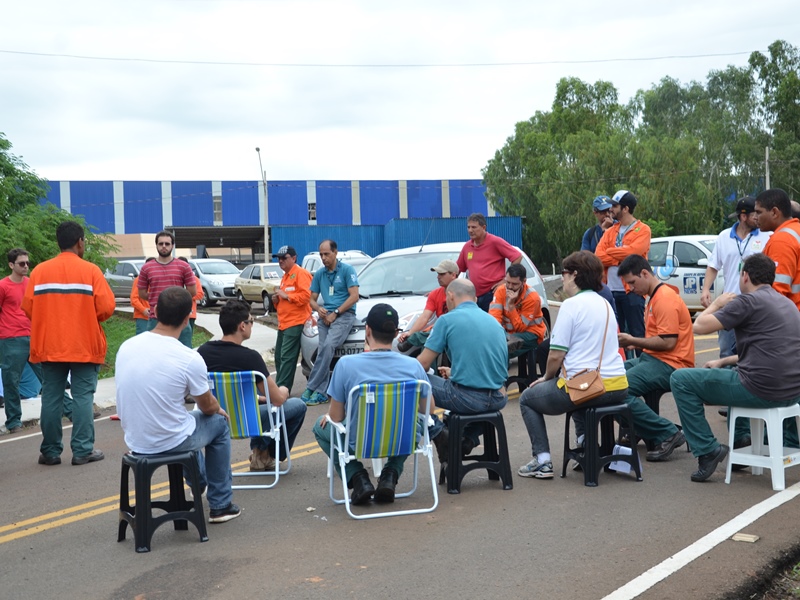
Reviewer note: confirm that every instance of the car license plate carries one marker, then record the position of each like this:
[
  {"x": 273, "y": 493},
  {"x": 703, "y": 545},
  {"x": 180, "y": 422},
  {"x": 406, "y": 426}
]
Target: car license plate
[{"x": 348, "y": 350}]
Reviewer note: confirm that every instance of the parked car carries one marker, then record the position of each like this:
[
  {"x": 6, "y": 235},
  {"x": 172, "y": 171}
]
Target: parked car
[
  {"x": 356, "y": 258},
  {"x": 121, "y": 277},
  {"x": 402, "y": 278},
  {"x": 257, "y": 283},
  {"x": 681, "y": 261},
  {"x": 216, "y": 276}
]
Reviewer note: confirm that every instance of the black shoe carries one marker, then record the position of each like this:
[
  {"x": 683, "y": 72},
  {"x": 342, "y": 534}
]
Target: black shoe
[
  {"x": 221, "y": 515},
  {"x": 362, "y": 487},
  {"x": 2, "y": 402},
  {"x": 467, "y": 446},
  {"x": 93, "y": 457},
  {"x": 723, "y": 412},
  {"x": 404, "y": 346},
  {"x": 441, "y": 442},
  {"x": 665, "y": 448},
  {"x": 49, "y": 460},
  {"x": 741, "y": 443},
  {"x": 707, "y": 464},
  {"x": 15, "y": 429},
  {"x": 386, "y": 485}
]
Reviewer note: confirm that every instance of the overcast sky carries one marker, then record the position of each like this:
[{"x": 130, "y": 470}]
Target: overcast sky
[{"x": 316, "y": 85}]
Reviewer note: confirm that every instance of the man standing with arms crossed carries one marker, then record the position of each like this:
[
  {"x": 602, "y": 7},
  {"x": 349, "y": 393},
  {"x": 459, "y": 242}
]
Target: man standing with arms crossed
[
  {"x": 484, "y": 257},
  {"x": 66, "y": 300},
  {"x": 292, "y": 301},
  {"x": 338, "y": 284},
  {"x": 163, "y": 272},
  {"x": 15, "y": 336},
  {"x": 732, "y": 247},
  {"x": 625, "y": 237}
]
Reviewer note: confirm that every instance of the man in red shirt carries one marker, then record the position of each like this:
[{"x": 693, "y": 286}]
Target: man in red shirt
[
  {"x": 483, "y": 258},
  {"x": 446, "y": 271},
  {"x": 15, "y": 336},
  {"x": 774, "y": 210}
]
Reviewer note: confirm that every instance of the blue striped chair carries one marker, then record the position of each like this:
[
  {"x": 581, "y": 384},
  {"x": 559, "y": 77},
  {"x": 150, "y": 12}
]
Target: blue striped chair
[
  {"x": 237, "y": 393},
  {"x": 383, "y": 420}
]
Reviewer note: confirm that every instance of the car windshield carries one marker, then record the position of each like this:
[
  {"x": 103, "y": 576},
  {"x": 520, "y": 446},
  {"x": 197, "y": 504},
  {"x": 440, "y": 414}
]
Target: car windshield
[
  {"x": 407, "y": 273},
  {"x": 218, "y": 268},
  {"x": 709, "y": 244}
]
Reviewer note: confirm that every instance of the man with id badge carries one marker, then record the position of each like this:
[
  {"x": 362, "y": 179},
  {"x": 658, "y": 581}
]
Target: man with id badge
[
  {"x": 338, "y": 285},
  {"x": 731, "y": 248}
]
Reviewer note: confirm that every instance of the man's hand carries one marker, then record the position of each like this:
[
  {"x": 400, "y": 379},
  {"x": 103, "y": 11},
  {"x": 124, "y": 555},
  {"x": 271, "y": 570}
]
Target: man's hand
[
  {"x": 723, "y": 299},
  {"x": 511, "y": 297},
  {"x": 444, "y": 372},
  {"x": 329, "y": 318},
  {"x": 223, "y": 413},
  {"x": 147, "y": 313},
  {"x": 705, "y": 298},
  {"x": 403, "y": 336},
  {"x": 322, "y": 312},
  {"x": 625, "y": 340},
  {"x": 713, "y": 364},
  {"x": 607, "y": 222}
]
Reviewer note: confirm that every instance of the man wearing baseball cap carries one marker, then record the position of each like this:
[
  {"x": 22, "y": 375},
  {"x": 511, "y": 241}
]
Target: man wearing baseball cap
[
  {"x": 733, "y": 245},
  {"x": 625, "y": 237},
  {"x": 380, "y": 365},
  {"x": 292, "y": 301},
  {"x": 600, "y": 206},
  {"x": 436, "y": 304}
]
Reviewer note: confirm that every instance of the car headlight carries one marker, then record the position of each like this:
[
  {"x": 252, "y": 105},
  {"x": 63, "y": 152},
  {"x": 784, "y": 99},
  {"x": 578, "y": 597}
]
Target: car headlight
[{"x": 310, "y": 327}]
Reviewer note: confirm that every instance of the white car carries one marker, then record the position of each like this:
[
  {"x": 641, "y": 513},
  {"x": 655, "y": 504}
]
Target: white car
[
  {"x": 681, "y": 262},
  {"x": 402, "y": 278},
  {"x": 356, "y": 258}
]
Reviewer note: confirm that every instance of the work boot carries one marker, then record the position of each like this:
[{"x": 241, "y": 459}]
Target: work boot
[
  {"x": 441, "y": 442},
  {"x": 260, "y": 460},
  {"x": 362, "y": 487},
  {"x": 386, "y": 485}
]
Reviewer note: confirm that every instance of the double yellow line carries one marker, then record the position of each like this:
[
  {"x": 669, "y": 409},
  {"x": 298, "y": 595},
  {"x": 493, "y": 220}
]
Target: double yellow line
[{"x": 73, "y": 514}]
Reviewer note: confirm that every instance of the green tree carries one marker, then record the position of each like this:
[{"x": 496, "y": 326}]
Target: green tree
[{"x": 26, "y": 223}]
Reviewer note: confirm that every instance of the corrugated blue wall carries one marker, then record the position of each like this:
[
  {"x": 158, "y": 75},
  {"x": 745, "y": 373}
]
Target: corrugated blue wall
[
  {"x": 466, "y": 197},
  {"x": 424, "y": 199},
  {"x": 192, "y": 204},
  {"x": 240, "y": 203},
  {"x": 334, "y": 203},
  {"x": 142, "y": 206},
  {"x": 305, "y": 239},
  {"x": 380, "y": 202},
  {"x": 95, "y": 201},
  {"x": 54, "y": 194},
  {"x": 402, "y": 233},
  {"x": 288, "y": 203}
]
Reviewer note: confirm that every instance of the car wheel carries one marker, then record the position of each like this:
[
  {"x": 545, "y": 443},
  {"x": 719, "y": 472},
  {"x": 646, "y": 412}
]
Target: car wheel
[
  {"x": 240, "y": 296},
  {"x": 206, "y": 301}
]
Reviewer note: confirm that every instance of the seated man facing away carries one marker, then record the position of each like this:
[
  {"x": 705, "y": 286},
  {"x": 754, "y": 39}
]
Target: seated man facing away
[
  {"x": 518, "y": 308},
  {"x": 380, "y": 365},
  {"x": 767, "y": 327},
  {"x": 668, "y": 345},
  {"x": 229, "y": 355},
  {"x": 154, "y": 372}
]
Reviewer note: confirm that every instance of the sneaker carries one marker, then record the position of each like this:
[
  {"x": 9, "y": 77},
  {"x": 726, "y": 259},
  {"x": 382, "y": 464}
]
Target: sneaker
[
  {"x": 317, "y": 398},
  {"x": 221, "y": 515},
  {"x": 307, "y": 395},
  {"x": 93, "y": 457},
  {"x": 534, "y": 469}
]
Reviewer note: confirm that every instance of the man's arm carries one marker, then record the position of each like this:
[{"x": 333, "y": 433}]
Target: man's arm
[
  {"x": 497, "y": 305},
  {"x": 785, "y": 263},
  {"x": 277, "y": 395},
  {"x": 351, "y": 299},
  {"x": 555, "y": 358},
  {"x": 657, "y": 343},
  {"x": 706, "y": 322},
  {"x": 104, "y": 300},
  {"x": 710, "y": 278},
  {"x": 426, "y": 358},
  {"x": 606, "y": 242},
  {"x": 419, "y": 325},
  {"x": 209, "y": 405}
]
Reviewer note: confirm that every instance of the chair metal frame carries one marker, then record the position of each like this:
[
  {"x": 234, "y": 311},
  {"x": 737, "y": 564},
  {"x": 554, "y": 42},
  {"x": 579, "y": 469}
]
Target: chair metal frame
[
  {"x": 244, "y": 408},
  {"x": 342, "y": 433}
]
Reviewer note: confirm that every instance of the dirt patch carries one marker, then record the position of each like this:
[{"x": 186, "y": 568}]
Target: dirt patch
[{"x": 779, "y": 580}]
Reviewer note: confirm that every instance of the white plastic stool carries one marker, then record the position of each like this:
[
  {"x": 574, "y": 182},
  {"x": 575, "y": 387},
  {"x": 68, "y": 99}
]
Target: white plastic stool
[{"x": 777, "y": 458}]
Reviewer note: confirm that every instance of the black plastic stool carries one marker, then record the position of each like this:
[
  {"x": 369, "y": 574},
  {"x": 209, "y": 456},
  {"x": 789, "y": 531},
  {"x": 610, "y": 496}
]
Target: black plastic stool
[
  {"x": 495, "y": 450},
  {"x": 526, "y": 370},
  {"x": 598, "y": 452},
  {"x": 178, "y": 508}
]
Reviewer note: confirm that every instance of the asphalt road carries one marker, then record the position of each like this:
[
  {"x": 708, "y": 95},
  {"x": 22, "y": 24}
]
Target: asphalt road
[{"x": 543, "y": 539}]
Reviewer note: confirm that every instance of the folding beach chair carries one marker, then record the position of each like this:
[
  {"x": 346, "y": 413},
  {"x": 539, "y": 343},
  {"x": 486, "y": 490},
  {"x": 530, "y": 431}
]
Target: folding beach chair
[
  {"x": 238, "y": 395},
  {"x": 382, "y": 421}
]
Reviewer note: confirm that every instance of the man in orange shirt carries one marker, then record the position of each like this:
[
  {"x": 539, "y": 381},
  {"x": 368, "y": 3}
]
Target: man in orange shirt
[
  {"x": 627, "y": 236},
  {"x": 518, "y": 309},
  {"x": 668, "y": 345},
  {"x": 774, "y": 210},
  {"x": 66, "y": 300},
  {"x": 292, "y": 301}
]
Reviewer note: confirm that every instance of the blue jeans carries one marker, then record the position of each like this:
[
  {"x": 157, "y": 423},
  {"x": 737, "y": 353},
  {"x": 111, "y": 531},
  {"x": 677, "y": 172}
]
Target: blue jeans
[
  {"x": 462, "y": 401},
  {"x": 294, "y": 410},
  {"x": 211, "y": 434},
  {"x": 548, "y": 399},
  {"x": 330, "y": 338},
  {"x": 83, "y": 378},
  {"x": 727, "y": 342},
  {"x": 630, "y": 314},
  {"x": 14, "y": 354}
]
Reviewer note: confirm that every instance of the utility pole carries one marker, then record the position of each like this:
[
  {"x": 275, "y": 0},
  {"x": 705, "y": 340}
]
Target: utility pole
[
  {"x": 266, "y": 207},
  {"x": 766, "y": 161}
]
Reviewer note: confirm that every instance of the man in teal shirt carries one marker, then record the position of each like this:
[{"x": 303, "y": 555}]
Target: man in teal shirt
[
  {"x": 338, "y": 285},
  {"x": 476, "y": 345}
]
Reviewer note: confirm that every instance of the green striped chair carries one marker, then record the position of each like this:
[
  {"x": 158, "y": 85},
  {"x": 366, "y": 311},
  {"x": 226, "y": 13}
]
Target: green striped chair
[
  {"x": 237, "y": 393},
  {"x": 383, "y": 420}
]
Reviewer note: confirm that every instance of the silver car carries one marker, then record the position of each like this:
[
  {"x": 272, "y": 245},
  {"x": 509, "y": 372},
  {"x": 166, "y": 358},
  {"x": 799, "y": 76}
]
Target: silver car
[
  {"x": 121, "y": 277},
  {"x": 402, "y": 278},
  {"x": 216, "y": 276}
]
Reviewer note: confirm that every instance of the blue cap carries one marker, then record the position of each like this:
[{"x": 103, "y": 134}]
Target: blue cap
[{"x": 601, "y": 203}]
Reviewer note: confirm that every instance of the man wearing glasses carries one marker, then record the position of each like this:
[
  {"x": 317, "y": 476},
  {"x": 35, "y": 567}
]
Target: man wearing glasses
[
  {"x": 163, "y": 272},
  {"x": 591, "y": 237},
  {"x": 15, "y": 336},
  {"x": 293, "y": 303}
]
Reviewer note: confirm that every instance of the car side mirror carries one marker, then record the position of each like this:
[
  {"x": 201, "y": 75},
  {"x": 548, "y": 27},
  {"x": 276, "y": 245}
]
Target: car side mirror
[{"x": 703, "y": 262}]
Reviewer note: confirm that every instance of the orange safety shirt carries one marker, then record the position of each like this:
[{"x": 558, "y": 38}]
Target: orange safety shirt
[
  {"x": 296, "y": 283},
  {"x": 783, "y": 247},
  {"x": 139, "y": 305},
  {"x": 612, "y": 250},
  {"x": 666, "y": 314},
  {"x": 524, "y": 317},
  {"x": 66, "y": 300}
]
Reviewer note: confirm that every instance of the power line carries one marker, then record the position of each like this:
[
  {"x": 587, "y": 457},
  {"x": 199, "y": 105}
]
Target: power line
[{"x": 375, "y": 66}]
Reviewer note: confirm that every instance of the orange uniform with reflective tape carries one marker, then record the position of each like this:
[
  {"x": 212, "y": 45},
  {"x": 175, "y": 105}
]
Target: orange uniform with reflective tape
[
  {"x": 296, "y": 283},
  {"x": 525, "y": 316},
  {"x": 783, "y": 247}
]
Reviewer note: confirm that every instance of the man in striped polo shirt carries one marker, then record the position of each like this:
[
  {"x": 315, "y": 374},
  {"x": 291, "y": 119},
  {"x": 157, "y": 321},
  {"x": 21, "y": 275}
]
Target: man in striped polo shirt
[{"x": 163, "y": 272}]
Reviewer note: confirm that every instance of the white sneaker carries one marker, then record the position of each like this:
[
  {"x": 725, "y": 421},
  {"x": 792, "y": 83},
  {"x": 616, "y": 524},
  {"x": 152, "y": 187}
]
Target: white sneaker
[{"x": 537, "y": 470}]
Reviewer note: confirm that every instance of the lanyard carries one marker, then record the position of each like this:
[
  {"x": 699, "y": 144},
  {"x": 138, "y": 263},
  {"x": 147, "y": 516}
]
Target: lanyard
[
  {"x": 739, "y": 245},
  {"x": 621, "y": 234}
]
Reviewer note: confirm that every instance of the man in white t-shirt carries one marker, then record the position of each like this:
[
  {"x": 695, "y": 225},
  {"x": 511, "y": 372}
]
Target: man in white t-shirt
[
  {"x": 154, "y": 373},
  {"x": 733, "y": 245}
]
